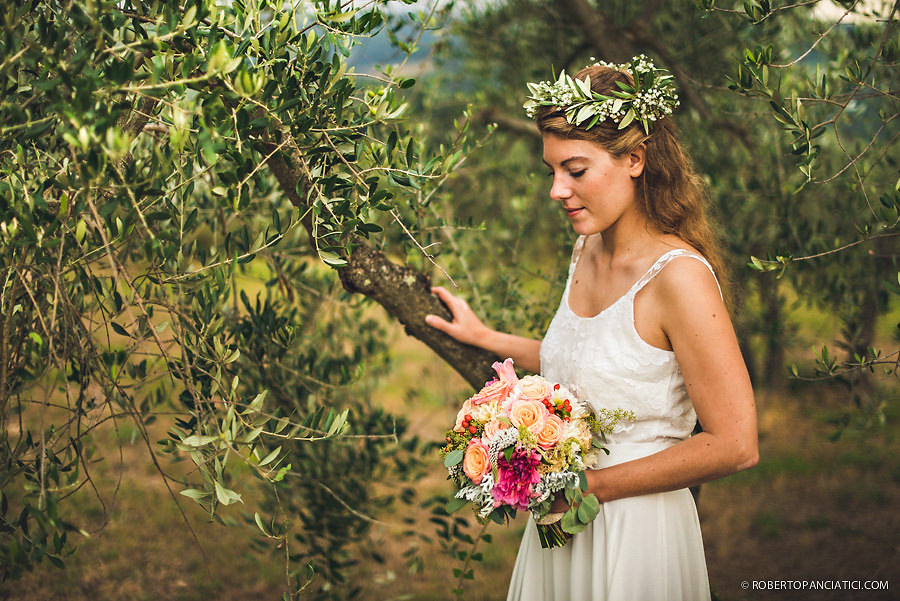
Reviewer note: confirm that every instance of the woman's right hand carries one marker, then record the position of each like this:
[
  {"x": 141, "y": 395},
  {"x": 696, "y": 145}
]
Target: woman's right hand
[{"x": 465, "y": 327}]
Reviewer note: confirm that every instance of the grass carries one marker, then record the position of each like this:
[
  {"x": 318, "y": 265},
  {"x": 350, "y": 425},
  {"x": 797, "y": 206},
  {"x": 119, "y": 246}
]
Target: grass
[{"x": 811, "y": 509}]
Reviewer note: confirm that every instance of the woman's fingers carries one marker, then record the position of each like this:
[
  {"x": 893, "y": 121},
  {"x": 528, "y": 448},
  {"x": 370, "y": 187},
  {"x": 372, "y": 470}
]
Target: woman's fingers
[
  {"x": 456, "y": 304},
  {"x": 437, "y": 322},
  {"x": 464, "y": 326},
  {"x": 452, "y": 302},
  {"x": 448, "y": 298},
  {"x": 442, "y": 293},
  {"x": 560, "y": 504}
]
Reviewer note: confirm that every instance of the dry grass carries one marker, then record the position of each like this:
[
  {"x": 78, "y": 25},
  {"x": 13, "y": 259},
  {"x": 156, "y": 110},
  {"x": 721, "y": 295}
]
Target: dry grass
[{"x": 812, "y": 509}]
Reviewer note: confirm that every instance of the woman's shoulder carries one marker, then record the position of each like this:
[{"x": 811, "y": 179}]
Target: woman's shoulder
[
  {"x": 684, "y": 278},
  {"x": 671, "y": 243}
]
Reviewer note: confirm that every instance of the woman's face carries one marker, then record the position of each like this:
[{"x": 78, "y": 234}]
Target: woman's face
[{"x": 594, "y": 188}]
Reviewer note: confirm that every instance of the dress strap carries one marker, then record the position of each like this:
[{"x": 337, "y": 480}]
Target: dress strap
[
  {"x": 664, "y": 260},
  {"x": 576, "y": 252}
]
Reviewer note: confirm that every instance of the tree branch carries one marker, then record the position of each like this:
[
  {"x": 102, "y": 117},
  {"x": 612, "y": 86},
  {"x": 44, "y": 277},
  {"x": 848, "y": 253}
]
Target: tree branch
[
  {"x": 504, "y": 120},
  {"x": 611, "y": 43},
  {"x": 404, "y": 292}
]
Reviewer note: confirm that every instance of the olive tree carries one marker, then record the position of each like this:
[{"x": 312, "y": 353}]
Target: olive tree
[{"x": 178, "y": 183}]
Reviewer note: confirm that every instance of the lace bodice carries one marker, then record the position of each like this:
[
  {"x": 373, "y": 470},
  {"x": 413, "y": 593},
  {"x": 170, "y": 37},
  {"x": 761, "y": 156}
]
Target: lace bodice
[{"x": 604, "y": 361}]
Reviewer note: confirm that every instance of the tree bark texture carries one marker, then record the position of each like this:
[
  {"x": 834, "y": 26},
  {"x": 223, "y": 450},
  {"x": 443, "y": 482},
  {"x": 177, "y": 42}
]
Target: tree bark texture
[
  {"x": 774, "y": 373},
  {"x": 406, "y": 295}
]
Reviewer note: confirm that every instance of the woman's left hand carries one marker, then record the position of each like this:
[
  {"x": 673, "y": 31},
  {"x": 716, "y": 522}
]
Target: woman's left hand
[{"x": 559, "y": 504}]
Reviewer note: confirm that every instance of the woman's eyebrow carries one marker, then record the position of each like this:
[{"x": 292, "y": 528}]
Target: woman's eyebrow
[{"x": 567, "y": 161}]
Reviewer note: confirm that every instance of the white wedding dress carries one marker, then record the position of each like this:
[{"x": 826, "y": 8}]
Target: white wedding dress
[{"x": 645, "y": 548}]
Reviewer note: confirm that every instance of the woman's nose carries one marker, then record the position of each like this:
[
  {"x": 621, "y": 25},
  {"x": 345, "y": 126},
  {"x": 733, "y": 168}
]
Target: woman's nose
[{"x": 559, "y": 190}]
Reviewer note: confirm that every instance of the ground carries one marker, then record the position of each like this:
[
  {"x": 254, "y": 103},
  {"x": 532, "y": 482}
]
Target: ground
[{"x": 813, "y": 509}]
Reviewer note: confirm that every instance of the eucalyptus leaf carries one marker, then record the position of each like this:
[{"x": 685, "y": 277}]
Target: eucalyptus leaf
[
  {"x": 454, "y": 458},
  {"x": 454, "y": 504}
]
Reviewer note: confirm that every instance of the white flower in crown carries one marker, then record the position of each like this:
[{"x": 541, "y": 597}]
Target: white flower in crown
[{"x": 651, "y": 98}]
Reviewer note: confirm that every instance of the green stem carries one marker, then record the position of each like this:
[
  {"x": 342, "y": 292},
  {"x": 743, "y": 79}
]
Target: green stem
[{"x": 468, "y": 562}]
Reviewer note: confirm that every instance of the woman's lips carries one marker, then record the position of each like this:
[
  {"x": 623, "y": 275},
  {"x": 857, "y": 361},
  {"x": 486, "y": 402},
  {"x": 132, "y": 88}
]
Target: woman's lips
[{"x": 574, "y": 211}]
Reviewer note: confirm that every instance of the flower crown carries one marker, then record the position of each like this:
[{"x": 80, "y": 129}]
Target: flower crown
[{"x": 652, "y": 97}]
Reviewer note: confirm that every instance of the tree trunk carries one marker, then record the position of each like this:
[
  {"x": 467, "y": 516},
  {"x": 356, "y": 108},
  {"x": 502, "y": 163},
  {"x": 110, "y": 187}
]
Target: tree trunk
[{"x": 774, "y": 377}]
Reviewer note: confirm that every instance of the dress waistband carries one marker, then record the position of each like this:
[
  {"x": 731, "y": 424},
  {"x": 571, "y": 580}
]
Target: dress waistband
[{"x": 629, "y": 451}]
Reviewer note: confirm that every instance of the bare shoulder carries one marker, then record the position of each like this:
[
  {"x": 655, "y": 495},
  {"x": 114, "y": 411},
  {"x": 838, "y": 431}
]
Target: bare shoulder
[
  {"x": 681, "y": 300},
  {"x": 687, "y": 288}
]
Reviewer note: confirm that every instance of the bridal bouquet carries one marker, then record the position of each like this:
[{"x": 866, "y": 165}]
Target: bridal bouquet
[{"x": 517, "y": 443}]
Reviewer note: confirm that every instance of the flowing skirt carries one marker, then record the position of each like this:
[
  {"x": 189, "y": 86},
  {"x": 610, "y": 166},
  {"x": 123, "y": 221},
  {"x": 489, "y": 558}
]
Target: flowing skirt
[{"x": 645, "y": 548}]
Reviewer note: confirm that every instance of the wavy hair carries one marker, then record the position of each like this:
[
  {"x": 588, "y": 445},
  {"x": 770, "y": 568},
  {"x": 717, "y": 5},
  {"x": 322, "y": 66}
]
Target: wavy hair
[{"x": 671, "y": 194}]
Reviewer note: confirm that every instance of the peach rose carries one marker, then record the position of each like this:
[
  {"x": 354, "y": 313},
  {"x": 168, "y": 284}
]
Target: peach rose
[
  {"x": 551, "y": 433},
  {"x": 476, "y": 462},
  {"x": 496, "y": 390},
  {"x": 534, "y": 388},
  {"x": 492, "y": 428},
  {"x": 460, "y": 417},
  {"x": 530, "y": 414}
]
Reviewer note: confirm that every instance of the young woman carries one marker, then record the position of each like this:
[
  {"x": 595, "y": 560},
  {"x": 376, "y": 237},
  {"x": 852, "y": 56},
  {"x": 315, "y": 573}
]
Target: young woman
[{"x": 642, "y": 325}]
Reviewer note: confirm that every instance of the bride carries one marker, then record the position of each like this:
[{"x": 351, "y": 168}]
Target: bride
[{"x": 642, "y": 325}]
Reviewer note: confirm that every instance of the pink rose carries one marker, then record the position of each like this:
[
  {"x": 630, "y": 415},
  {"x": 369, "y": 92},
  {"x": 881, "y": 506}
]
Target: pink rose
[
  {"x": 551, "y": 433},
  {"x": 495, "y": 390},
  {"x": 505, "y": 371},
  {"x": 492, "y": 428},
  {"x": 476, "y": 462},
  {"x": 530, "y": 414}
]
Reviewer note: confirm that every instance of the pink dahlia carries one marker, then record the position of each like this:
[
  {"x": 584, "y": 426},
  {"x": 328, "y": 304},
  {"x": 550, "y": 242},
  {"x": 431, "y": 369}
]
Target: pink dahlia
[{"x": 516, "y": 477}]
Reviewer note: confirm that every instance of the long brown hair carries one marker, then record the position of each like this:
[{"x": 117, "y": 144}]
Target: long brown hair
[{"x": 671, "y": 194}]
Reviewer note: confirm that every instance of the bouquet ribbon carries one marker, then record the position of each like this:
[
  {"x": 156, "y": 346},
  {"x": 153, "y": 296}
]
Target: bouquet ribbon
[{"x": 550, "y": 518}]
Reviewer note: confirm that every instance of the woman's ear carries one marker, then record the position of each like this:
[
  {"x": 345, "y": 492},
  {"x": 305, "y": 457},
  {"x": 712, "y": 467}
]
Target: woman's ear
[{"x": 636, "y": 160}]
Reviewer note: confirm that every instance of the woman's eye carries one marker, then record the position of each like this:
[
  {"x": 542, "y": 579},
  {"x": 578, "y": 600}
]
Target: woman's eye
[{"x": 577, "y": 174}]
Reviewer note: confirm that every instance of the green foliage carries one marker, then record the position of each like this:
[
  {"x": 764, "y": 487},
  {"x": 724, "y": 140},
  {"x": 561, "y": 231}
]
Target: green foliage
[
  {"x": 172, "y": 179},
  {"x": 833, "y": 95},
  {"x": 793, "y": 144},
  {"x": 582, "y": 511}
]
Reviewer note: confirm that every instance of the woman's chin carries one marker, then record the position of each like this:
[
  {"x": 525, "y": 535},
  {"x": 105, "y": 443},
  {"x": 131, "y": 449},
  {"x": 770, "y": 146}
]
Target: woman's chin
[{"x": 584, "y": 228}]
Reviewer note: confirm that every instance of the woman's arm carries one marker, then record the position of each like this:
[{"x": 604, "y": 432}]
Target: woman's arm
[
  {"x": 468, "y": 329},
  {"x": 684, "y": 299}
]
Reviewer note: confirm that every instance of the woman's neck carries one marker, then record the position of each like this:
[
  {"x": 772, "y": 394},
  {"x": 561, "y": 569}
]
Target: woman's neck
[{"x": 630, "y": 237}]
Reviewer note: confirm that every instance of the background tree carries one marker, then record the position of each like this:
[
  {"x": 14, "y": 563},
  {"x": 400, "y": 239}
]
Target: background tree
[{"x": 834, "y": 93}]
